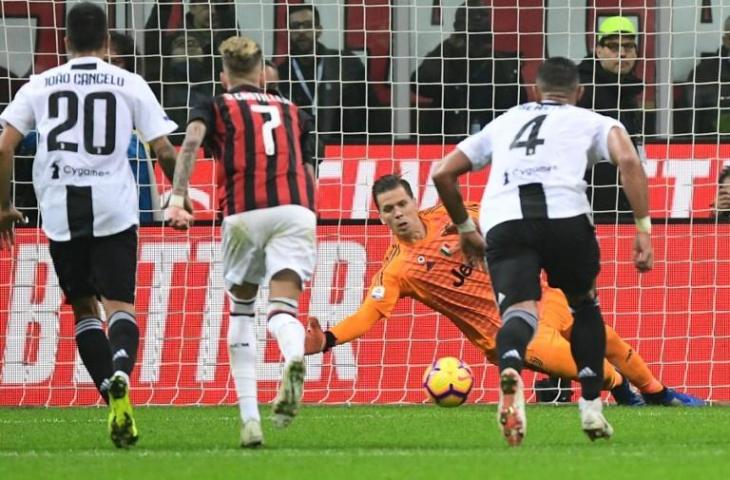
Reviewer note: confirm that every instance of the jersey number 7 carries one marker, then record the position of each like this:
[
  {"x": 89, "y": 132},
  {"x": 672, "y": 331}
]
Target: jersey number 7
[{"x": 273, "y": 121}]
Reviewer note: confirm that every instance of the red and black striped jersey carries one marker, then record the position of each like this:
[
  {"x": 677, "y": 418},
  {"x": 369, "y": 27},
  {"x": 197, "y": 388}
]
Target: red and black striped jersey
[{"x": 261, "y": 142}]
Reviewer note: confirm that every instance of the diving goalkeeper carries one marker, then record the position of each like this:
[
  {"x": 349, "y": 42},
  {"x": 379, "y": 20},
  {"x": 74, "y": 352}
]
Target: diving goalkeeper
[{"x": 424, "y": 262}]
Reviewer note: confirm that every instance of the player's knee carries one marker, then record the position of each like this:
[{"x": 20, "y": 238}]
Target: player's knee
[
  {"x": 243, "y": 292},
  {"x": 86, "y": 307},
  {"x": 287, "y": 275},
  {"x": 285, "y": 283},
  {"x": 582, "y": 300}
]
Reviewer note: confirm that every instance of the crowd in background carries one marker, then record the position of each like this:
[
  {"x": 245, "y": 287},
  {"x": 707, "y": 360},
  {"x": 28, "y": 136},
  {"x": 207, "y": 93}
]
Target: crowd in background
[{"x": 457, "y": 88}]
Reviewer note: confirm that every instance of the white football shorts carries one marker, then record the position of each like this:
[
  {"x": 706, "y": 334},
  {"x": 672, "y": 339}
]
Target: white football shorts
[{"x": 259, "y": 243}]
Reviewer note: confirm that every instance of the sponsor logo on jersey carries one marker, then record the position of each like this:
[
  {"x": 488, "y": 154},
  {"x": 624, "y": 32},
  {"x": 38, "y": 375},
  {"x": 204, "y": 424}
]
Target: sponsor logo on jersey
[
  {"x": 76, "y": 172},
  {"x": 55, "y": 168},
  {"x": 461, "y": 274},
  {"x": 530, "y": 172}
]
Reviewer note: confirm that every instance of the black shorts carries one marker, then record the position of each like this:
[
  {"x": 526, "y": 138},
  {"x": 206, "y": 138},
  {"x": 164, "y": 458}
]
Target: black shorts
[
  {"x": 97, "y": 266},
  {"x": 517, "y": 250}
]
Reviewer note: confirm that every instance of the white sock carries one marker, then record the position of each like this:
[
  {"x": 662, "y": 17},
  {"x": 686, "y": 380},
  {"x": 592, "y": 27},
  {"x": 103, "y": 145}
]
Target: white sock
[
  {"x": 286, "y": 328},
  {"x": 242, "y": 357}
]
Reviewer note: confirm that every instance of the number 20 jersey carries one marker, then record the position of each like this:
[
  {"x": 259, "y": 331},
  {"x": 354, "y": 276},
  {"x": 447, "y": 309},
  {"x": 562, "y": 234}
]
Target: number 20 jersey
[
  {"x": 85, "y": 112},
  {"x": 539, "y": 153}
]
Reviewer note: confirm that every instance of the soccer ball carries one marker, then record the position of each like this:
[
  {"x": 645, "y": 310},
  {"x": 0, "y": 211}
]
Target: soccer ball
[{"x": 448, "y": 382}]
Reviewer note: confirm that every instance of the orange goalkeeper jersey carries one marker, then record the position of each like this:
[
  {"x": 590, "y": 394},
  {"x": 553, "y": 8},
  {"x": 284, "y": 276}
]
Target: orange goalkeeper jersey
[{"x": 431, "y": 271}]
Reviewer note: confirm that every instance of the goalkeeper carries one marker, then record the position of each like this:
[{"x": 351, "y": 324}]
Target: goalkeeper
[{"x": 425, "y": 263}]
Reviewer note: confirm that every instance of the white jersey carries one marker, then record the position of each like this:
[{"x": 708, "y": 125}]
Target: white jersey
[
  {"x": 539, "y": 154},
  {"x": 84, "y": 112}
]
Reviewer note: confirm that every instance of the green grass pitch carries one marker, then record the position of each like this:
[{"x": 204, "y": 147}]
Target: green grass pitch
[{"x": 368, "y": 442}]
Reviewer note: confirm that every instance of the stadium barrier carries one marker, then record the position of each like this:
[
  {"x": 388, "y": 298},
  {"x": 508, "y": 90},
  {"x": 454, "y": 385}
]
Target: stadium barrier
[{"x": 682, "y": 178}]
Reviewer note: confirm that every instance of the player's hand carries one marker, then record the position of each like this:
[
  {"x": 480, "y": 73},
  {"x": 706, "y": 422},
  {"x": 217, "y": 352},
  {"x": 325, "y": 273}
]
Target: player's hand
[
  {"x": 178, "y": 218},
  {"x": 314, "y": 340},
  {"x": 8, "y": 219},
  {"x": 643, "y": 252},
  {"x": 473, "y": 246}
]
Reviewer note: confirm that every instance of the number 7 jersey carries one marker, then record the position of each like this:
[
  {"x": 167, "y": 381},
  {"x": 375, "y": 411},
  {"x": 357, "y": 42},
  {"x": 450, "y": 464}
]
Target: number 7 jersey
[
  {"x": 261, "y": 143},
  {"x": 84, "y": 112},
  {"x": 539, "y": 153}
]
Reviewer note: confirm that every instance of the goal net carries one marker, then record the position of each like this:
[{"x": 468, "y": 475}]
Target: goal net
[{"x": 395, "y": 84}]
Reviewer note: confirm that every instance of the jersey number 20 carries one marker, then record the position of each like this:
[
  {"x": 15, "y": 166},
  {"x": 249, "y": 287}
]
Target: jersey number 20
[{"x": 72, "y": 116}]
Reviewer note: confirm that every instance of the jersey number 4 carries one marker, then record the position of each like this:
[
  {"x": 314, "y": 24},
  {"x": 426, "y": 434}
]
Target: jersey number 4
[
  {"x": 531, "y": 142},
  {"x": 72, "y": 117}
]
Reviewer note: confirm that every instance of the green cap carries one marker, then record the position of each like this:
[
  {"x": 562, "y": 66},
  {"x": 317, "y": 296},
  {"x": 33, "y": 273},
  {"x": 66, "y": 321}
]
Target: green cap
[{"x": 614, "y": 26}]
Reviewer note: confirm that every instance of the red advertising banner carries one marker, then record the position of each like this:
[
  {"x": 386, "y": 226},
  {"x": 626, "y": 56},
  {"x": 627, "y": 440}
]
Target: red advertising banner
[
  {"x": 677, "y": 317},
  {"x": 682, "y": 178}
]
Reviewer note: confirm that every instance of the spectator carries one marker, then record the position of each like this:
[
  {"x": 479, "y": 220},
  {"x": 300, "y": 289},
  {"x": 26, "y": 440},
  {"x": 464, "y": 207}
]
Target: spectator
[
  {"x": 327, "y": 84},
  {"x": 209, "y": 21},
  {"x": 708, "y": 92},
  {"x": 611, "y": 88},
  {"x": 462, "y": 83},
  {"x": 721, "y": 207},
  {"x": 123, "y": 54},
  {"x": 271, "y": 76},
  {"x": 187, "y": 79},
  {"x": 23, "y": 193}
]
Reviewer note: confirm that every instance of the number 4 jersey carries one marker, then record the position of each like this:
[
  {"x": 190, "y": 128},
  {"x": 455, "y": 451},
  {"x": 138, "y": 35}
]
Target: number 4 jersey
[
  {"x": 84, "y": 112},
  {"x": 261, "y": 142},
  {"x": 539, "y": 153}
]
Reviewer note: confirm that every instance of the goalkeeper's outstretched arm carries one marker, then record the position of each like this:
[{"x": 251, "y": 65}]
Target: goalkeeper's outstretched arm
[{"x": 352, "y": 327}]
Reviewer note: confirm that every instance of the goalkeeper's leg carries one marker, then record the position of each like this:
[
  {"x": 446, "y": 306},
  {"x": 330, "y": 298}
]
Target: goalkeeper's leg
[
  {"x": 242, "y": 345},
  {"x": 550, "y": 353},
  {"x": 635, "y": 369}
]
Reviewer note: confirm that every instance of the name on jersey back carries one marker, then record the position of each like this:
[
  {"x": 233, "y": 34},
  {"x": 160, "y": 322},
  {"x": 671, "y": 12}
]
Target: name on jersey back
[{"x": 84, "y": 78}]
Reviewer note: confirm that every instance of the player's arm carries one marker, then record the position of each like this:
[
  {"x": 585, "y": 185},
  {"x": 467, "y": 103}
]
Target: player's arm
[
  {"x": 9, "y": 140},
  {"x": 352, "y": 327},
  {"x": 446, "y": 180},
  {"x": 194, "y": 136},
  {"x": 379, "y": 303},
  {"x": 624, "y": 155},
  {"x": 165, "y": 153}
]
